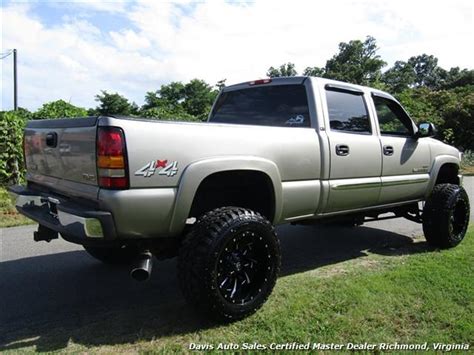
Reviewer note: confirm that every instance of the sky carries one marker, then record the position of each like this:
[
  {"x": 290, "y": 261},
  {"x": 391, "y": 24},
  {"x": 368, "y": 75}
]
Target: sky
[{"x": 71, "y": 50}]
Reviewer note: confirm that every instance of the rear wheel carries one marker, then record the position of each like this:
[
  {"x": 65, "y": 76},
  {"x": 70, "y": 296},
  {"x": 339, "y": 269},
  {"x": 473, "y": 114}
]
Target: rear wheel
[
  {"x": 113, "y": 255},
  {"x": 446, "y": 216},
  {"x": 229, "y": 262}
]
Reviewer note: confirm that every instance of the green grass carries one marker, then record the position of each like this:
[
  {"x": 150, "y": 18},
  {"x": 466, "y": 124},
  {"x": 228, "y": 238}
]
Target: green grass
[
  {"x": 9, "y": 217},
  {"x": 412, "y": 295}
]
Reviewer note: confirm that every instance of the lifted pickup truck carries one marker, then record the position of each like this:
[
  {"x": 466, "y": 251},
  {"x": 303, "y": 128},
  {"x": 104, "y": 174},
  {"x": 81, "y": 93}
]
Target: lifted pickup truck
[{"x": 285, "y": 150}]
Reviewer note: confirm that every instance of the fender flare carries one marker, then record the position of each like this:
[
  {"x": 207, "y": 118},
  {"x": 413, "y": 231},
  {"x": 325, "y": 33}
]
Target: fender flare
[
  {"x": 196, "y": 172},
  {"x": 438, "y": 162}
]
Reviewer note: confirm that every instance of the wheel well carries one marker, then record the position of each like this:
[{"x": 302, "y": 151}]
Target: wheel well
[
  {"x": 240, "y": 188},
  {"x": 448, "y": 173}
]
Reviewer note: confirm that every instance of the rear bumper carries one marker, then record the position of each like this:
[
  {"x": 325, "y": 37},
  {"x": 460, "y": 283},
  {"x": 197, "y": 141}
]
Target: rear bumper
[{"x": 76, "y": 223}]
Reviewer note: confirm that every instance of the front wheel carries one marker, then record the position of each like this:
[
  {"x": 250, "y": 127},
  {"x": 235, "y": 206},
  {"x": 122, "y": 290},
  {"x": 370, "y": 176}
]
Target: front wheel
[
  {"x": 446, "y": 216},
  {"x": 229, "y": 262}
]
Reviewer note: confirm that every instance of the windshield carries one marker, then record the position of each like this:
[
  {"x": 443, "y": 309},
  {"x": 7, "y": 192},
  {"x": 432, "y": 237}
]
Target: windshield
[{"x": 277, "y": 105}]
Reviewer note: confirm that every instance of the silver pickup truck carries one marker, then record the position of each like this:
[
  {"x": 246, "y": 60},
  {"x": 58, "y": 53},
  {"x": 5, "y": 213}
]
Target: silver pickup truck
[{"x": 286, "y": 150}]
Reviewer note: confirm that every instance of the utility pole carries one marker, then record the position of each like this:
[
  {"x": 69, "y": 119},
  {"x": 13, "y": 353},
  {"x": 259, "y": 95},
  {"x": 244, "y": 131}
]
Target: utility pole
[{"x": 15, "y": 83}]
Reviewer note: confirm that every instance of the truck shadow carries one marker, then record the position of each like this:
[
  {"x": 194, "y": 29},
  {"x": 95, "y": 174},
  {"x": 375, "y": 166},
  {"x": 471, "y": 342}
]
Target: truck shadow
[{"x": 48, "y": 301}]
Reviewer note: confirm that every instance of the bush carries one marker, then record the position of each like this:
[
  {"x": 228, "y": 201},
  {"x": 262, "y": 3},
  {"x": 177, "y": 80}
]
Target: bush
[
  {"x": 11, "y": 151},
  {"x": 161, "y": 113},
  {"x": 451, "y": 111},
  {"x": 59, "y": 109}
]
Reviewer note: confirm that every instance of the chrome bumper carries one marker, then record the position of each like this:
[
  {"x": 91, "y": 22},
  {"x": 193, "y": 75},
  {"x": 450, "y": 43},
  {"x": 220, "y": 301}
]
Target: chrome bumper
[{"x": 71, "y": 220}]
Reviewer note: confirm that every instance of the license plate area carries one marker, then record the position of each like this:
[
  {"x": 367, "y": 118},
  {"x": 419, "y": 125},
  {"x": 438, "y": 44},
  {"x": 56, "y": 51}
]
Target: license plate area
[
  {"x": 53, "y": 209},
  {"x": 52, "y": 205}
]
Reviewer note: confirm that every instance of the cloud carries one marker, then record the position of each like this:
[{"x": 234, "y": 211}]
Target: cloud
[
  {"x": 162, "y": 41},
  {"x": 129, "y": 40}
]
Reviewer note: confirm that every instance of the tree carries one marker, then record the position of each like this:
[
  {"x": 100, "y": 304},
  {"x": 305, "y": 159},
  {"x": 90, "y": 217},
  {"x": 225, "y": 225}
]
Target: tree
[
  {"x": 287, "y": 69},
  {"x": 173, "y": 93},
  {"x": 357, "y": 62},
  {"x": 221, "y": 84},
  {"x": 399, "y": 77},
  {"x": 193, "y": 99},
  {"x": 452, "y": 112},
  {"x": 114, "y": 104},
  {"x": 198, "y": 98},
  {"x": 456, "y": 77},
  {"x": 59, "y": 109},
  {"x": 314, "y": 71},
  {"x": 427, "y": 72}
]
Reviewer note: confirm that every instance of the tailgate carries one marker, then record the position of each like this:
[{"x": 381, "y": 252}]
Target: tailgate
[{"x": 61, "y": 150}]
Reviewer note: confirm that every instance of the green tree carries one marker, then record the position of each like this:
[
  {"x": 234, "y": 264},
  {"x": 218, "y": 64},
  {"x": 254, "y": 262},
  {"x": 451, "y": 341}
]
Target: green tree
[
  {"x": 287, "y": 69},
  {"x": 59, "y": 109},
  {"x": 198, "y": 98},
  {"x": 452, "y": 112},
  {"x": 191, "y": 100},
  {"x": 427, "y": 72},
  {"x": 173, "y": 93},
  {"x": 221, "y": 84},
  {"x": 356, "y": 62},
  {"x": 114, "y": 104},
  {"x": 399, "y": 77},
  {"x": 456, "y": 77},
  {"x": 314, "y": 71}
]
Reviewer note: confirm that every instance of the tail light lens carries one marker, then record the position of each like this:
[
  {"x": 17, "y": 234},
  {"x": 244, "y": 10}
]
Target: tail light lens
[
  {"x": 111, "y": 158},
  {"x": 260, "y": 82}
]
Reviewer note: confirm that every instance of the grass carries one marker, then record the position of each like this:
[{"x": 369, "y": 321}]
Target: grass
[
  {"x": 412, "y": 295},
  {"x": 9, "y": 217}
]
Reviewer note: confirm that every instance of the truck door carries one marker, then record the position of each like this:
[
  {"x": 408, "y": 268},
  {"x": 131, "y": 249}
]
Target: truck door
[
  {"x": 355, "y": 157},
  {"x": 405, "y": 159}
]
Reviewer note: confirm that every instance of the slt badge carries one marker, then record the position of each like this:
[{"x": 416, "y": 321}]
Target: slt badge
[{"x": 164, "y": 168}]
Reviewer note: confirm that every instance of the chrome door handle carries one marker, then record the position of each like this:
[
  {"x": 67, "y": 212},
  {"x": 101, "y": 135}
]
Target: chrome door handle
[
  {"x": 342, "y": 150},
  {"x": 387, "y": 150}
]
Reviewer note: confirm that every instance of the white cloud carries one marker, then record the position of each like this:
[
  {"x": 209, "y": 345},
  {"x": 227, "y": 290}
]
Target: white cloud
[
  {"x": 129, "y": 40},
  {"x": 166, "y": 41}
]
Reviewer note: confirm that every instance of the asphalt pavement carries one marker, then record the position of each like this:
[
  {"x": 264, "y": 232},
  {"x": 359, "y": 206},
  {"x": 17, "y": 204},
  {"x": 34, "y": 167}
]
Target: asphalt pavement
[{"x": 57, "y": 284}]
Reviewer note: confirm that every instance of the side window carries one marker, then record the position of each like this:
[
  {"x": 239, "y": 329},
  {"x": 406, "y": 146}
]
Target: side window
[
  {"x": 347, "y": 112},
  {"x": 392, "y": 118}
]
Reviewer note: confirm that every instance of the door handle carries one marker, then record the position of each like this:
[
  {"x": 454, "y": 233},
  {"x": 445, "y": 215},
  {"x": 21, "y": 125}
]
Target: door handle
[
  {"x": 342, "y": 150},
  {"x": 387, "y": 150}
]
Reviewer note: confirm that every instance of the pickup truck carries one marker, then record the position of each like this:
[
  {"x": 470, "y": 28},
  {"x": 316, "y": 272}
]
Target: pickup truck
[{"x": 298, "y": 150}]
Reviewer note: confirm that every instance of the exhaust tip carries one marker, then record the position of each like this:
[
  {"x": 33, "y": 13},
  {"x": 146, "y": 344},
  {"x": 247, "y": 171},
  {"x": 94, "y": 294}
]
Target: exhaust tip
[
  {"x": 140, "y": 274},
  {"x": 141, "y": 269}
]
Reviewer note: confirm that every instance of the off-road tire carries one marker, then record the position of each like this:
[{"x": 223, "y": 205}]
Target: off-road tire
[
  {"x": 113, "y": 255},
  {"x": 207, "y": 252},
  {"x": 446, "y": 216}
]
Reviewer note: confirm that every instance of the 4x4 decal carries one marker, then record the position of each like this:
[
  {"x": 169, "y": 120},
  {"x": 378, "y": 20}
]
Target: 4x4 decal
[{"x": 162, "y": 166}]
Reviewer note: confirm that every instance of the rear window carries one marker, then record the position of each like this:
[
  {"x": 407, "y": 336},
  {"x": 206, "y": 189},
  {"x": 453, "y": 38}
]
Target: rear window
[{"x": 282, "y": 105}]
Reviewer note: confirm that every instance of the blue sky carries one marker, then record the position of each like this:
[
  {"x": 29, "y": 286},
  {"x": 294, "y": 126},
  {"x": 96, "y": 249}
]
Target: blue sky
[{"x": 73, "y": 49}]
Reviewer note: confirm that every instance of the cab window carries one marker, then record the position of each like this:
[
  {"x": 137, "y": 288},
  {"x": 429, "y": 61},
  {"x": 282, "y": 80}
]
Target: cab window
[
  {"x": 392, "y": 118},
  {"x": 347, "y": 112}
]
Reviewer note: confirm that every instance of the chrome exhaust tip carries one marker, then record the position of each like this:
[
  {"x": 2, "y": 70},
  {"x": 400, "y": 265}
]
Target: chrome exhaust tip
[{"x": 142, "y": 266}]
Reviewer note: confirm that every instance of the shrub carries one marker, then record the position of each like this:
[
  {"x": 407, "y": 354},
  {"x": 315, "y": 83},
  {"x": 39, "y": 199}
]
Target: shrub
[{"x": 11, "y": 151}]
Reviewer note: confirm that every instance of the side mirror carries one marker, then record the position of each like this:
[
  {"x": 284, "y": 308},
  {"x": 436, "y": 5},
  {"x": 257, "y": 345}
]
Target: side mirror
[{"x": 425, "y": 129}]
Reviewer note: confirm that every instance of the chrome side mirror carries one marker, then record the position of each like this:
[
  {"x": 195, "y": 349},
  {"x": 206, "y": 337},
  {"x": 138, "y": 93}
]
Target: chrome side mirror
[{"x": 425, "y": 129}]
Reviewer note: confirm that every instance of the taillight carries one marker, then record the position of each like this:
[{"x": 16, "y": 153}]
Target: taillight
[
  {"x": 260, "y": 82},
  {"x": 111, "y": 158}
]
